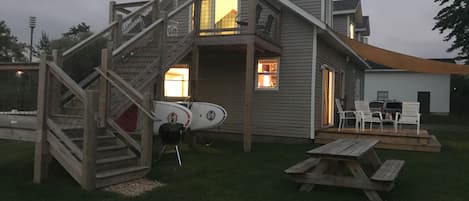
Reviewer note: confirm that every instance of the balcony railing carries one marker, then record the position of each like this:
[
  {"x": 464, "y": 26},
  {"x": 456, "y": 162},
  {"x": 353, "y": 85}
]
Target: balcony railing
[{"x": 235, "y": 22}]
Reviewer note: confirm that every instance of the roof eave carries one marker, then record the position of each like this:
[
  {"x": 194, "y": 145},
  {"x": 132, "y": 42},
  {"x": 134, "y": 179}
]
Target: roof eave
[{"x": 329, "y": 33}]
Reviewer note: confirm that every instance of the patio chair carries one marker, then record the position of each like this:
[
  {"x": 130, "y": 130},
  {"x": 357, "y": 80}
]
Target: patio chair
[
  {"x": 410, "y": 115},
  {"x": 343, "y": 117},
  {"x": 363, "y": 112}
]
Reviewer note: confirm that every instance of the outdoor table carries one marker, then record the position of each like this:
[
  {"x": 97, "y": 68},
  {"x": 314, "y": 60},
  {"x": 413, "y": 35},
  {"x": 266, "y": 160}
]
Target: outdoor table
[{"x": 342, "y": 163}]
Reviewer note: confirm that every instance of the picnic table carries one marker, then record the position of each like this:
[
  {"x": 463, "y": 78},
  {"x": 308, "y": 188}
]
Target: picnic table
[{"x": 351, "y": 163}]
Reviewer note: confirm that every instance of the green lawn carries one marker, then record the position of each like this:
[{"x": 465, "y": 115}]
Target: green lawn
[{"x": 223, "y": 172}]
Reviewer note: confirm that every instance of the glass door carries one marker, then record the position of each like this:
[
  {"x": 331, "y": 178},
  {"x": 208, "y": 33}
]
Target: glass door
[
  {"x": 328, "y": 97},
  {"x": 218, "y": 17}
]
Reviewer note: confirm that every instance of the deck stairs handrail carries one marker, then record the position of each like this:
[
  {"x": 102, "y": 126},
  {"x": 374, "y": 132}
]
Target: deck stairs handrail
[{"x": 91, "y": 152}]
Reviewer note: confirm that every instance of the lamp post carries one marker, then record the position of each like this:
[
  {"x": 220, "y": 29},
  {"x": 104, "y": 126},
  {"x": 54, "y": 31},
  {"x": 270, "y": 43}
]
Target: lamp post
[{"x": 32, "y": 25}]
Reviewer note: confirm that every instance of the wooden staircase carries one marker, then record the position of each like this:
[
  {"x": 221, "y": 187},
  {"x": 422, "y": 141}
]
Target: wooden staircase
[{"x": 80, "y": 132}]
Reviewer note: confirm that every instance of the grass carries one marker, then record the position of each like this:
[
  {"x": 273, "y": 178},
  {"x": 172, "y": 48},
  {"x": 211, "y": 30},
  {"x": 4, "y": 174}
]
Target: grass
[{"x": 223, "y": 172}]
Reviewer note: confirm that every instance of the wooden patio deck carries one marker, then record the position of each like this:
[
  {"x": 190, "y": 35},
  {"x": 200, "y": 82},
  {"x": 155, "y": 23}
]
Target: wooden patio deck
[{"x": 405, "y": 139}]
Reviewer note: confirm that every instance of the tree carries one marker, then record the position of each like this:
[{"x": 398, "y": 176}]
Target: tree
[
  {"x": 454, "y": 17},
  {"x": 44, "y": 45},
  {"x": 77, "y": 31},
  {"x": 10, "y": 49},
  {"x": 79, "y": 65}
]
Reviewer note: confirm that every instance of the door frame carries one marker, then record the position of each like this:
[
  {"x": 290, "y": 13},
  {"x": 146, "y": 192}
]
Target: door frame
[{"x": 329, "y": 122}]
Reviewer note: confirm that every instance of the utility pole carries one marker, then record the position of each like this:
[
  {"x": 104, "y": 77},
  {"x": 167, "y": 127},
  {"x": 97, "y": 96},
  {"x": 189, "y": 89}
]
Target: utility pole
[{"x": 32, "y": 25}]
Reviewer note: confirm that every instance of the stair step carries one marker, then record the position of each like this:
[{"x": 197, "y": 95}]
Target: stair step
[
  {"x": 116, "y": 176},
  {"x": 116, "y": 162},
  {"x": 105, "y": 137},
  {"x": 114, "y": 159},
  {"x": 112, "y": 151},
  {"x": 112, "y": 147},
  {"x": 120, "y": 171}
]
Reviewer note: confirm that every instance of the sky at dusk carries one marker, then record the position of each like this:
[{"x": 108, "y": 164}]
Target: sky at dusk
[{"x": 398, "y": 25}]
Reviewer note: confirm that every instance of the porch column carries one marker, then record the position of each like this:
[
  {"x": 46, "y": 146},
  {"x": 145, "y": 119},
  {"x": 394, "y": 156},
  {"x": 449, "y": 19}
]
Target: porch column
[
  {"x": 249, "y": 79},
  {"x": 41, "y": 149}
]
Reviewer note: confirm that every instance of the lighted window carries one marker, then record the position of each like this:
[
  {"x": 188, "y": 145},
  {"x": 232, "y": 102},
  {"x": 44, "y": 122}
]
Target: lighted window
[
  {"x": 176, "y": 81},
  {"x": 267, "y": 74},
  {"x": 352, "y": 31},
  {"x": 218, "y": 14}
]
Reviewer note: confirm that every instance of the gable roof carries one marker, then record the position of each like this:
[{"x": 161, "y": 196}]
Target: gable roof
[
  {"x": 328, "y": 34},
  {"x": 400, "y": 61}
]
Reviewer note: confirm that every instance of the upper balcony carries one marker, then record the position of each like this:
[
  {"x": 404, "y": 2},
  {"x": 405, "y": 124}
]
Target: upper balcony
[{"x": 222, "y": 22}]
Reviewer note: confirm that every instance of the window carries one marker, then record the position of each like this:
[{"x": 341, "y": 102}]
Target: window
[
  {"x": 176, "y": 81},
  {"x": 382, "y": 95},
  {"x": 352, "y": 30},
  {"x": 218, "y": 14},
  {"x": 267, "y": 74}
]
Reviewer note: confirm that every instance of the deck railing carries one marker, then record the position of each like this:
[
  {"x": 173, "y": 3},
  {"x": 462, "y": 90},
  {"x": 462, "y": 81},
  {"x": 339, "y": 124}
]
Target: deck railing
[{"x": 267, "y": 23}]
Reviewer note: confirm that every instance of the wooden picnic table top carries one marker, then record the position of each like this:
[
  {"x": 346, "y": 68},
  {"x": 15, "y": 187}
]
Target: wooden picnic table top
[{"x": 344, "y": 149}]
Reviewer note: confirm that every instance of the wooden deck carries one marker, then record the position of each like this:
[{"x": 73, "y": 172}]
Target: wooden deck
[
  {"x": 405, "y": 139},
  {"x": 17, "y": 127}
]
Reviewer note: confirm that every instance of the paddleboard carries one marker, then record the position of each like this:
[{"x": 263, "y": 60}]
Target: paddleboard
[
  {"x": 205, "y": 115},
  {"x": 169, "y": 112}
]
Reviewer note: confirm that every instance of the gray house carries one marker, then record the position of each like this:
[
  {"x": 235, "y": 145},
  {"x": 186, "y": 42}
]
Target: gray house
[
  {"x": 277, "y": 67},
  {"x": 285, "y": 84}
]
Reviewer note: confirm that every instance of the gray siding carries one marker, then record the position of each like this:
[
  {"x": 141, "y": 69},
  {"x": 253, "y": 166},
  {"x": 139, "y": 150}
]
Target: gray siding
[
  {"x": 286, "y": 112},
  {"x": 340, "y": 24},
  {"x": 311, "y": 6},
  {"x": 336, "y": 61},
  {"x": 221, "y": 81}
]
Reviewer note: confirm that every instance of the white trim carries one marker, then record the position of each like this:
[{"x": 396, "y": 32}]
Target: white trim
[
  {"x": 303, "y": 13},
  {"x": 348, "y": 26},
  {"x": 313, "y": 84},
  {"x": 323, "y": 10},
  {"x": 331, "y": 69},
  {"x": 342, "y": 12},
  {"x": 348, "y": 48},
  {"x": 315, "y": 21},
  {"x": 331, "y": 16}
]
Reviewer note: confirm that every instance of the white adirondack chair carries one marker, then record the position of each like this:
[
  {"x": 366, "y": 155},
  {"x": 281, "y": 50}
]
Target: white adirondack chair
[
  {"x": 366, "y": 116},
  {"x": 343, "y": 117},
  {"x": 410, "y": 115}
]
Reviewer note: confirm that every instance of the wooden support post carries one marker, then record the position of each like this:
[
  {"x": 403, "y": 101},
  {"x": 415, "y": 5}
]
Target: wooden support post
[
  {"x": 163, "y": 43},
  {"x": 249, "y": 79},
  {"x": 88, "y": 164},
  {"x": 41, "y": 149},
  {"x": 55, "y": 87},
  {"x": 163, "y": 57},
  {"x": 117, "y": 40},
  {"x": 248, "y": 93},
  {"x": 194, "y": 71},
  {"x": 103, "y": 108},
  {"x": 194, "y": 77},
  {"x": 147, "y": 132},
  {"x": 197, "y": 9},
  {"x": 252, "y": 16},
  {"x": 112, "y": 11}
]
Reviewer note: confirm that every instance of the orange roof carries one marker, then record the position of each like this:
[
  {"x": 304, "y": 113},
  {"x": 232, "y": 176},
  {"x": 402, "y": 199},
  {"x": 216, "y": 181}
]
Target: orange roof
[{"x": 401, "y": 61}]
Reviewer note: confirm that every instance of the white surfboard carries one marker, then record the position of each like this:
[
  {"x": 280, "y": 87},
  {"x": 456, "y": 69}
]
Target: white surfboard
[
  {"x": 169, "y": 112},
  {"x": 206, "y": 115}
]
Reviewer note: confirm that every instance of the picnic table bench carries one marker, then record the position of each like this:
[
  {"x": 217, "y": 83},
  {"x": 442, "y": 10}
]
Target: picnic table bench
[{"x": 351, "y": 163}]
